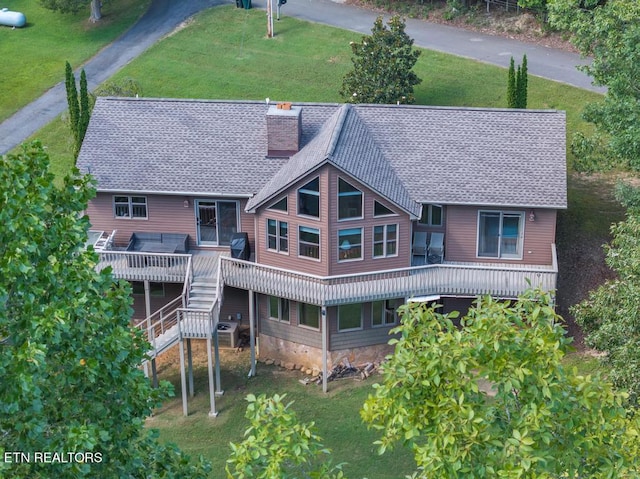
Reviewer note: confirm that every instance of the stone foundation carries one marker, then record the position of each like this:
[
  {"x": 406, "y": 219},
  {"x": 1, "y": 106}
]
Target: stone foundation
[{"x": 300, "y": 356}]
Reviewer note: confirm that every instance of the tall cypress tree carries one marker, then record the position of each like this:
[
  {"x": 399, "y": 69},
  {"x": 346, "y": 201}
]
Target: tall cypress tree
[
  {"x": 83, "y": 121},
  {"x": 72, "y": 101},
  {"x": 511, "y": 86},
  {"x": 522, "y": 81}
]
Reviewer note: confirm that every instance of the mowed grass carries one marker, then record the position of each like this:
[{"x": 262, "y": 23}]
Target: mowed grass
[
  {"x": 223, "y": 53},
  {"x": 33, "y": 57},
  {"x": 336, "y": 416}
]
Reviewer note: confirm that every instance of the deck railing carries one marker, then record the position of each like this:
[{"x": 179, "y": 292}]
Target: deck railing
[
  {"x": 141, "y": 266},
  {"x": 468, "y": 279},
  {"x": 158, "y": 325}
]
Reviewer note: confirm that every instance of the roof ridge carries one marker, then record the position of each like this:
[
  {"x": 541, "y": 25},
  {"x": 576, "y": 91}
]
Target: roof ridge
[{"x": 337, "y": 129}]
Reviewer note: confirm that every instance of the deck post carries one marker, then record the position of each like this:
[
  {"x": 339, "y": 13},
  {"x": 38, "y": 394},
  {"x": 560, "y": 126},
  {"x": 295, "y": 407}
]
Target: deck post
[
  {"x": 219, "y": 391},
  {"x": 212, "y": 396},
  {"x": 154, "y": 373},
  {"x": 323, "y": 315},
  {"x": 183, "y": 380},
  {"x": 252, "y": 333},
  {"x": 190, "y": 367}
]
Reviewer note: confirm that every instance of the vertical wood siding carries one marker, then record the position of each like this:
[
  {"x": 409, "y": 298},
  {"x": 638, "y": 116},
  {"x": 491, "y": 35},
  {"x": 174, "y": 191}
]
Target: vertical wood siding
[{"x": 461, "y": 235}]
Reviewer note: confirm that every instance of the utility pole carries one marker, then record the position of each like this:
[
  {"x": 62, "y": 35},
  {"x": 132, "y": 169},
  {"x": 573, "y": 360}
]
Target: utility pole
[{"x": 269, "y": 18}]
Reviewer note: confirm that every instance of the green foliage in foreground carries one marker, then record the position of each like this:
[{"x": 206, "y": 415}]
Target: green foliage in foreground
[
  {"x": 610, "y": 315},
  {"x": 69, "y": 361},
  {"x": 278, "y": 445},
  {"x": 542, "y": 421}
]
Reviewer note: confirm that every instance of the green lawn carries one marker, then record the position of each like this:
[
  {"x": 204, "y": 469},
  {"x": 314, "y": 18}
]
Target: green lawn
[
  {"x": 336, "y": 416},
  {"x": 33, "y": 57}
]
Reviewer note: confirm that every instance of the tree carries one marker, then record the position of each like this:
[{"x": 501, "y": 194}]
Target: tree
[
  {"x": 382, "y": 66},
  {"x": 69, "y": 360},
  {"x": 610, "y": 315},
  {"x": 542, "y": 421},
  {"x": 610, "y": 32},
  {"x": 79, "y": 112},
  {"x": 517, "y": 84},
  {"x": 278, "y": 445},
  {"x": 74, "y": 6},
  {"x": 511, "y": 85}
]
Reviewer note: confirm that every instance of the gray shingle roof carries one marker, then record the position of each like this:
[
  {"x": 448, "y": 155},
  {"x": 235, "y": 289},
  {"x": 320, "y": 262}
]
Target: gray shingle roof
[{"x": 410, "y": 154}]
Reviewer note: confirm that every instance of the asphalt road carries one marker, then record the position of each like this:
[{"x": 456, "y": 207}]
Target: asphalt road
[{"x": 164, "y": 15}]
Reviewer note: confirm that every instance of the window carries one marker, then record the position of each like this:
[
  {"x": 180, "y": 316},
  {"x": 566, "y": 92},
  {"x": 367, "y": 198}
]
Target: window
[
  {"x": 309, "y": 242},
  {"x": 349, "y": 317},
  {"x": 381, "y": 210},
  {"x": 383, "y": 313},
  {"x": 130, "y": 207},
  {"x": 278, "y": 235},
  {"x": 217, "y": 221},
  {"x": 279, "y": 309},
  {"x": 349, "y": 201},
  {"x": 309, "y": 199},
  {"x": 280, "y": 205},
  {"x": 350, "y": 244},
  {"x": 385, "y": 241},
  {"x": 432, "y": 215},
  {"x": 500, "y": 234},
  {"x": 309, "y": 315}
]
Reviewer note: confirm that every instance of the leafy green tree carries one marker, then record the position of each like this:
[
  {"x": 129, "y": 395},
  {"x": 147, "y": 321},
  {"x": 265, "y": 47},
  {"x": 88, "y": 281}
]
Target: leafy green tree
[
  {"x": 610, "y": 33},
  {"x": 278, "y": 445},
  {"x": 72, "y": 101},
  {"x": 69, "y": 360},
  {"x": 79, "y": 111},
  {"x": 74, "y": 6},
  {"x": 531, "y": 419},
  {"x": 382, "y": 66},
  {"x": 610, "y": 315},
  {"x": 85, "y": 112}
]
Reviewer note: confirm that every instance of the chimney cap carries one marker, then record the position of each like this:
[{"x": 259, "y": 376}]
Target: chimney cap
[{"x": 284, "y": 106}]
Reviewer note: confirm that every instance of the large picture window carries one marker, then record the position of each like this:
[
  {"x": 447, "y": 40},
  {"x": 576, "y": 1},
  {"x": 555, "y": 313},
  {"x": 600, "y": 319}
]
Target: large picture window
[
  {"x": 130, "y": 207},
  {"x": 349, "y": 201},
  {"x": 385, "y": 241},
  {"x": 350, "y": 244},
  {"x": 309, "y": 199},
  {"x": 309, "y": 315},
  {"x": 279, "y": 309},
  {"x": 349, "y": 317},
  {"x": 500, "y": 234},
  {"x": 309, "y": 242},
  {"x": 278, "y": 235}
]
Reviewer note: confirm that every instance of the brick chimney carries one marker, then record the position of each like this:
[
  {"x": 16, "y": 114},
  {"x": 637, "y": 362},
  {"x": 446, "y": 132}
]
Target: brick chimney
[{"x": 284, "y": 130}]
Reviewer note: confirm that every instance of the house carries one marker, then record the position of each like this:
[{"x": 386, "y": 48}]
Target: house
[{"x": 349, "y": 211}]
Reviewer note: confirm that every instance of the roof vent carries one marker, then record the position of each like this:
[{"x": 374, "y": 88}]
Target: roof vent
[{"x": 284, "y": 130}]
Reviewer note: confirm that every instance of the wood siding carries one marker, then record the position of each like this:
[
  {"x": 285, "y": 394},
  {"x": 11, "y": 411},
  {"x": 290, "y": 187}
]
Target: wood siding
[
  {"x": 171, "y": 292},
  {"x": 461, "y": 235},
  {"x": 165, "y": 213},
  {"x": 235, "y": 301},
  {"x": 329, "y": 227},
  {"x": 367, "y": 336}
]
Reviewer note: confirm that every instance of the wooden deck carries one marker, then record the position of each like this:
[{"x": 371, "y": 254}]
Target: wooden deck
[
  {"x": 160, "y": 267},
  {"x": 450, "y": 279}
]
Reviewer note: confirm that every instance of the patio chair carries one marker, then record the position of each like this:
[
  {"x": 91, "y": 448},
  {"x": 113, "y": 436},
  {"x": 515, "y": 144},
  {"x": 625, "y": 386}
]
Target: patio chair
[
  {"x": 419, "y": 246},
  {"x": 436, "y": 248}
]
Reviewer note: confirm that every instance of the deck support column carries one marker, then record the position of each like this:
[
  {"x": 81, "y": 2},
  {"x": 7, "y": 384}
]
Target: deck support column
[
  {"x": 216, "y": 349},
  {"x": 183, "y": 380},
  {"x": 323, "y": 315},
  {"x": 190, "y": 367},
  {"x": 252, "y": 333},
  {"x": 154, "y": 373},
  {"x": 212, "y": 397}
]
